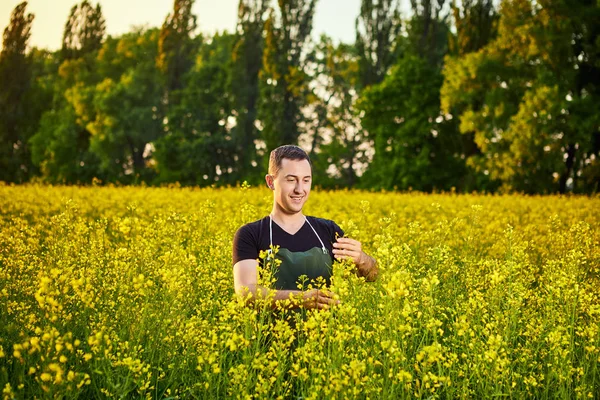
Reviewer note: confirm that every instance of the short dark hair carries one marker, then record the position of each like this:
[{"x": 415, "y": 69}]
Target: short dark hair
[{"x": 288, "y": 151}]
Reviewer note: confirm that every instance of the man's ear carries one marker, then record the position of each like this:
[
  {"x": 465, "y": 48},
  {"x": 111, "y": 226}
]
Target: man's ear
[{"x": 270, "y": 182}]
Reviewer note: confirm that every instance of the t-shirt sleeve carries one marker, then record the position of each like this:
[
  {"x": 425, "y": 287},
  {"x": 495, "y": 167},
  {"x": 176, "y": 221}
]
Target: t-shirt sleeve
[{"x": 245, "y": 246}]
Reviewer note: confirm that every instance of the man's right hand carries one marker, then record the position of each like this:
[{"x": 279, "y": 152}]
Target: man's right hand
[{"x": 319, "y": 299}]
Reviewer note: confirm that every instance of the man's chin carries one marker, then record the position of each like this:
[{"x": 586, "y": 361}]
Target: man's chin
[{"x": 291, "y": 210}]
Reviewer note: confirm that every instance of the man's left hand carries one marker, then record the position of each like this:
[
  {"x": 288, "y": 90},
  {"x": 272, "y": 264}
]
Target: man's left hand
[{"x": 348, "y": 249}]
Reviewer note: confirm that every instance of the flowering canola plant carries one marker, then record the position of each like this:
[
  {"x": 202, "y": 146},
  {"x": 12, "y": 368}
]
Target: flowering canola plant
[{"x": 112, "y": 292}]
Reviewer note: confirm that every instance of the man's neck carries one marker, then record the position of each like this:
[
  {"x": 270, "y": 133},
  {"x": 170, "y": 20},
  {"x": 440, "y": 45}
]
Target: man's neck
[{"x": 286, "y": 220}]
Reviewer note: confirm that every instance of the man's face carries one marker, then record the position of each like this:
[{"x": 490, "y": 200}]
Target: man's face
[{"x": 292, "y": 185}]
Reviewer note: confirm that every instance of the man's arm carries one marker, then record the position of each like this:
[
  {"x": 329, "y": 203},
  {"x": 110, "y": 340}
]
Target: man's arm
[
  {"x": 245, "y": 279},
  {"x": 367, "y": 267},
  {"x": 346, "y": 248}
]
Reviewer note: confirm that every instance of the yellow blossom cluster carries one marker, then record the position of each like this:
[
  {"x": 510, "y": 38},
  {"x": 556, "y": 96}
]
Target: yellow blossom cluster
[{"x": 127, "y": 292}]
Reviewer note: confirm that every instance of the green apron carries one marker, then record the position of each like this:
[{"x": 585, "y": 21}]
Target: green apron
[{"x": 301, "y": 268}]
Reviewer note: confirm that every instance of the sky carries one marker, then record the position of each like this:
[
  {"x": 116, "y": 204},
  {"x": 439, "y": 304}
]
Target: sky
[{"x": 333, "y": 17}]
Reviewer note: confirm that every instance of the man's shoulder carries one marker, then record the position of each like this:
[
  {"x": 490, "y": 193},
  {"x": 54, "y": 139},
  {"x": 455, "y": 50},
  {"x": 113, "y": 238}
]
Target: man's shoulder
[
  {"x": 326, "y": 226},
  {"x": 252, "y": 227},
  {"x": 324, "y": 222},
  {"x": 318, "y": 220},
  {"x": 247, "y": 241}
]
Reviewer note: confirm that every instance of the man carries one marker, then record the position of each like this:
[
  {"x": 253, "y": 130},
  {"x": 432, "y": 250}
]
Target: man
[{"x": 308, "y": 245}]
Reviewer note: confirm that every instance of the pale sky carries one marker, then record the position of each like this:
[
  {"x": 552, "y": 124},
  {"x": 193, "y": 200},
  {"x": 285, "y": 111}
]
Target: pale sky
[{"x": 333, "y": 17}]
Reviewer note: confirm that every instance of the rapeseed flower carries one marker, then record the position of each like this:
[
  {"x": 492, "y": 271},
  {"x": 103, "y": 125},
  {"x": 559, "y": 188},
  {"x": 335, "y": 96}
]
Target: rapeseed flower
[{"x": 131, "y": 289}]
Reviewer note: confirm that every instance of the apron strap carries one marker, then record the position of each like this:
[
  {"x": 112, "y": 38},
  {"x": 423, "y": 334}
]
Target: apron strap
[{"x": 311, "y": 227}]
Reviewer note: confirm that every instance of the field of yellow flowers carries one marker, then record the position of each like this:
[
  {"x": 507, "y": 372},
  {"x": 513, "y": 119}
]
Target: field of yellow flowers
[{"x": 127, "y": 292}]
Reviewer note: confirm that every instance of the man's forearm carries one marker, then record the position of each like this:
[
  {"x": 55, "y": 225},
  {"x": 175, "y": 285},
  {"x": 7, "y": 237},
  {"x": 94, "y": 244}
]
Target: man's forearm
[
  {"x": 367, "y": 268},
  {"x": 278, "y": 298}
]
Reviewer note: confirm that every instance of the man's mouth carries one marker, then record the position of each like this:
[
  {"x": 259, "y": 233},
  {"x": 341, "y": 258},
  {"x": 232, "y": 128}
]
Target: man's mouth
[{"x": 297, "y": 198}]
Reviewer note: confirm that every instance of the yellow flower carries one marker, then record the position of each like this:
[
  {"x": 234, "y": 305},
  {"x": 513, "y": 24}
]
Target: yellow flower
[{"x": 8, "y": 392}]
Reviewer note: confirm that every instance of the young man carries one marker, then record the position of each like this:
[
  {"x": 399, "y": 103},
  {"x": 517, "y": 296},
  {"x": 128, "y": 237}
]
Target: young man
[{"x": 308, "y": 245}]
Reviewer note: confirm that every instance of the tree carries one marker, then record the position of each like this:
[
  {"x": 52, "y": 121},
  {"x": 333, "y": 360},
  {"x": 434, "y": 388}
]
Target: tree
[
  {"x": 377, "y": 29},
  {"x": 428, "y": 31},
  {"x": 198, "y": 149},
  {"x": 476, "y": 24},
  {"x": 15, "y": 92},
  {"x": 177, "y": 52},
  {"x": 247, "y": 63},
  {"x": 176, "y": 49},
  {"x": 339, "y": 148},
  {"x": 61, "y": 144},
  {"x": 412, "y": 146},
  {"x": 283, "y": 81},
  {"x": 84, "y": 31},
  {"x": 60, "y": 149},
  {"x": 415, "y": 144},
  {"x": 344, "y": 72},
  {"x": 528, "y": 97},
  {"x": 122, "y": 111}
]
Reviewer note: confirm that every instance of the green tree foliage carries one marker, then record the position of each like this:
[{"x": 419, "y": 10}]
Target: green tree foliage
[
  {"x": 176, "y": 49},
  {"x": 84, "y": 30},
  {"x": 528, "y": 97},
  {"x": 345, "y": 71},
  {"x": 506, "y": 100},
  {"x": 338, "y": 148},
  {"x": 283, "y": 80},
  {"x": 476, "y": 24},
  {"x": 412, "y": 146},
  {"x": 15, "y": 95},
  {"x": 428, "y": 30},
  {"x": 60, "y": 149},
  {"x": 377, "y": 28},
  {"x": 198, "y": 148},
  {"x": 246, "y": 64},
  {"x": 121, "y": 110},
  {"x": 61, "y": 144},
  {"x": 416, "y": 145},
  {"x": 177, "y": 52}
]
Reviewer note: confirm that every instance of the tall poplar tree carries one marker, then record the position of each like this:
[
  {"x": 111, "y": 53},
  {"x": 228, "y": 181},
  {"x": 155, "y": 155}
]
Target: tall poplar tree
[
  {"x": 345, "y": 71},
  {"x": 198, "y": 148},
  {"x": 247, "y": 57},
  {"x": 377, "y": 28},
  {"x": 283, "y": 80},
  {"x": 476, "y": 24},
  {"x": 339, "y": 145},
  {"x": 176, "y": 49},
  {"x": 428, "y": 30},
  {"x": 15, "y": 85},
  {"x": 84, "y": 30},
  {"x": 61, "y": 144}
]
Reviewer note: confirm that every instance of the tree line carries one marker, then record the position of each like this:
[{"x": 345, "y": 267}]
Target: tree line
[{"x": 457, "y": 95}]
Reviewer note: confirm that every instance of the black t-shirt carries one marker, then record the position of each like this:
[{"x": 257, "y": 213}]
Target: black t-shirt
[{"x": 251, "y": 238}]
